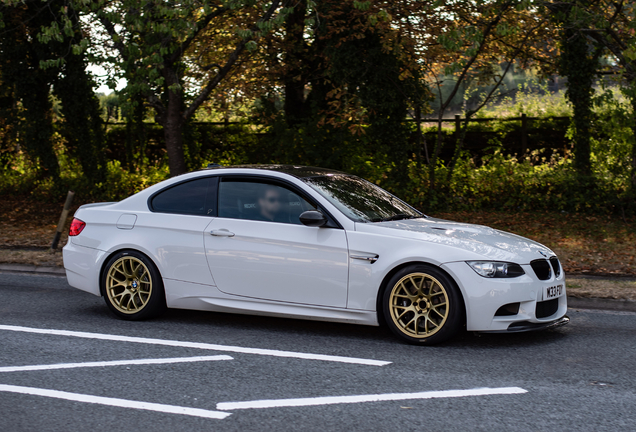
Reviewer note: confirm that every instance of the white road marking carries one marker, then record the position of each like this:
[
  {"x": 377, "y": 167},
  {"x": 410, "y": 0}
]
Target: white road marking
[
  {"x": 331, "y": 400},
  {"x": 114, "y": 363},
  {"x": 123, "y": 403},
  {"x": 205, "y": 346}
]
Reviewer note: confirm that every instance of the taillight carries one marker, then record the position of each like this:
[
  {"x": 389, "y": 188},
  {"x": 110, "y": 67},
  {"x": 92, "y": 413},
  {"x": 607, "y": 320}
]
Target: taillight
[{"x": 76, "y": 227}]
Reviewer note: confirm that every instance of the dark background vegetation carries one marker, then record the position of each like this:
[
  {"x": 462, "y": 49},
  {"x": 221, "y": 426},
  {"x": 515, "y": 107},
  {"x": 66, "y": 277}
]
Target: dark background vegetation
[{"x": 371, "y": 88}]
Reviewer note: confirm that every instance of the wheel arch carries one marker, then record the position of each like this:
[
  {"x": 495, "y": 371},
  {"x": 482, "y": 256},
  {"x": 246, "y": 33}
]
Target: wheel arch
[
  {"x": 393, "y": 271},
  {"x": 112, "y": 254}
]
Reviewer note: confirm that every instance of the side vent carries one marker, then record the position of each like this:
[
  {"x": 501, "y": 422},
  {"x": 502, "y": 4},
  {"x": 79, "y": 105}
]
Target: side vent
[{"x": 508, "y": 310}]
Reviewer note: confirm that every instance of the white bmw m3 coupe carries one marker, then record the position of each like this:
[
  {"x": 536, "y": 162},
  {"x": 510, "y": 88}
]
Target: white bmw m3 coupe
[{"x": 309, "y": 243}]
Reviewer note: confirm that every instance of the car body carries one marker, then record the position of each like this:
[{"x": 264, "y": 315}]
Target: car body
[{"x": 217, "y": 256}]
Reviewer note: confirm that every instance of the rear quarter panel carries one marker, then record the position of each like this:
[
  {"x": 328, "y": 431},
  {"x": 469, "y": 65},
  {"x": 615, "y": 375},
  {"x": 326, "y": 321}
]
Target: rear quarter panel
[{"x": 173, "y": 242}]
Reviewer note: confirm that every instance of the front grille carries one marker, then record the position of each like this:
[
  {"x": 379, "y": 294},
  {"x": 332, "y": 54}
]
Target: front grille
[
  {"x": 556, "y": 267},
  {"x": 541, "y": 269},
  {"x": 547, "y": 308}
]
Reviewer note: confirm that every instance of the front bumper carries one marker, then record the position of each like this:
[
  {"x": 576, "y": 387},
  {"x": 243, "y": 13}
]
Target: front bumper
[
  {"x": 483, "y": 297},
  {"x": 521, "y": 326}
]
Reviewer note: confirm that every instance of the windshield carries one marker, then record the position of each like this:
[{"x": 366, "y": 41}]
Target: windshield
[{"x": 361, "y": 200}]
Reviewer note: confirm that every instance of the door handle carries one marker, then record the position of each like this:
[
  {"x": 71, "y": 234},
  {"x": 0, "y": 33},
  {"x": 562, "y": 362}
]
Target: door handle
[{"x": 222, "y": 233}]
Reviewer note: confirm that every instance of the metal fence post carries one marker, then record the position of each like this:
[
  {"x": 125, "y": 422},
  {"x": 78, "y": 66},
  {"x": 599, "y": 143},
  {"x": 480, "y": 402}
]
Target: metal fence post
[
  {"x": 458, "y": 125},
  {"x": 524, "y": 134}
]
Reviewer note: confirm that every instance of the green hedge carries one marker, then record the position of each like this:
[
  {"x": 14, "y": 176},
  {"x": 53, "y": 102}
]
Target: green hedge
[{"x": 491, "y": 174}]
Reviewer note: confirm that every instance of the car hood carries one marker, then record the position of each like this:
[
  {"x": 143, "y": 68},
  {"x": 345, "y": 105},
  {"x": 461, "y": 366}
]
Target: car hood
[{"x": 486, "y": 242}]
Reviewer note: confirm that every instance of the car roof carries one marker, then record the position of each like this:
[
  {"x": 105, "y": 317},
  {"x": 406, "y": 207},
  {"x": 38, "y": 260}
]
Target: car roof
[{"x": 299, "y": 171}]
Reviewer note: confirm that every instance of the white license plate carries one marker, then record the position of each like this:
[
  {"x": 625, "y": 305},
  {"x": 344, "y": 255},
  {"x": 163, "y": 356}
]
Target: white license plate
[{"x": 552, "y": 292}]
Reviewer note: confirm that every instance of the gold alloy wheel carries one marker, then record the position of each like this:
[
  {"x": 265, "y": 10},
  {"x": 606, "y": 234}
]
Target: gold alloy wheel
[
  {"x": 128, "y": 285},
  {"x": 419, "y": 305}
]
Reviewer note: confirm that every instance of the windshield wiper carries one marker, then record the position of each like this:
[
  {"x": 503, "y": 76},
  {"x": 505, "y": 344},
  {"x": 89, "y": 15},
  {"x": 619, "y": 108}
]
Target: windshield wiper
[{"x": 399, "y": 216}]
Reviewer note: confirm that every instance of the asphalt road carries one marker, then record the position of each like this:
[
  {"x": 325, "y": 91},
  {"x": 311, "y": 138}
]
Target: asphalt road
[{"x": 579, "y": 377}]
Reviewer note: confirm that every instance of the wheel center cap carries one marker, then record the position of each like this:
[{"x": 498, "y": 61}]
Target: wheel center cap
[
  {"x": 422, "y": 305},
  {"x": 134, "y": 284}
]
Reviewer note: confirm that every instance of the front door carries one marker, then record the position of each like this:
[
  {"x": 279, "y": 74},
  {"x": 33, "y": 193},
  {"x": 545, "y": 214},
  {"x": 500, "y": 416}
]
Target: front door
[{"x": 258, "y": 248}]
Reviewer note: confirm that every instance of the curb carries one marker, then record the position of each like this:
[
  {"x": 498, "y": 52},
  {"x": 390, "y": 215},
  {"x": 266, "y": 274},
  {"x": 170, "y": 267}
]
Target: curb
[
  {"x": 601, "y": 303},
  {"x": 32, "y": 269}
]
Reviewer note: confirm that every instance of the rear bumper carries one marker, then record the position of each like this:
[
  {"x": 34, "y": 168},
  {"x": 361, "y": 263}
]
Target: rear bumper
[
  {"x": 483, "y": 297},
  {"x": 82, "y": 265}
]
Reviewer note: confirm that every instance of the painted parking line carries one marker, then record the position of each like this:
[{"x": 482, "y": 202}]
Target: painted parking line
[
  {"x": 205, "y": 346},
  {"x": 122, "y": 403},
  {"x": 114, "y": 363},
  {"x": 331, "y": 400}
]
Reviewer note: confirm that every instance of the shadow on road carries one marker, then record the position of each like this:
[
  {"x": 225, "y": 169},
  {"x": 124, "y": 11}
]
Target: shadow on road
[{"x": 296, "y": 327}]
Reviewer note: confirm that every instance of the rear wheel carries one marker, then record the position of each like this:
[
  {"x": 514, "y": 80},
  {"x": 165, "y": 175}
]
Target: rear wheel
[
  {"x": 132, "y": 286},
  {"x": 422, "y": 305}
]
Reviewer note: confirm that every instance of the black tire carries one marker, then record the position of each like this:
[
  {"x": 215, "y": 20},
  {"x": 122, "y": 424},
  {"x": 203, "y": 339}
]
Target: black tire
[
  {"x": 132, "y": 286},
  {"x": 422, "y": 305}
]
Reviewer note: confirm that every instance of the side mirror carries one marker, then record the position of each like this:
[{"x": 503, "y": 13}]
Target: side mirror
[{"x": 313, "y": 218}]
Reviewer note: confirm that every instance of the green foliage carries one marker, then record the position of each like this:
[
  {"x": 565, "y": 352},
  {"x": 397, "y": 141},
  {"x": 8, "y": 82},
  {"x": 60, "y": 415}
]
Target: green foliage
[
  {"x": 22, "y": 180},
  {"x": 349, "y": 78},
  {"x": 613, "y": 141},
  {"x": 533, "y": 99},
  {"x": 27, "y": 86},
  {"x": 532, "y": 184},
  {"x": 24, "y": 48},
  {"x": 352, "y": 107},
  {"x": 82, "y": 123}
]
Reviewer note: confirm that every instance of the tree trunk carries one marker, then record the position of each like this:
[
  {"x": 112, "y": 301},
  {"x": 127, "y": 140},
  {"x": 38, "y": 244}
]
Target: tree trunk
[
  {"x": 421, "y": 139},
  {"x": 172, "y": 122},
  {"x": 38, "y": 125},
  {"x": 633, "y": 173},
  {"x": 436, "y": 151},
  {"x": 174, "y": 143},
  {"x": 294, "y": 79},
  {"x": 459, "y": 145},
  {"x": 84, "y": 126},
  {"x": 580, "y": 70}
]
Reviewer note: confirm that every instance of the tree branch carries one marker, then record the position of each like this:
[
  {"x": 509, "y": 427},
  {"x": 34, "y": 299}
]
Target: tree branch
[
  {"x": 616, "y": 50},
  {"x": 112, "y": 32},
  {"x": 472, "y": 60},
  {"x": 214, "y": 81},
  {"x": 203, "y": 23}
]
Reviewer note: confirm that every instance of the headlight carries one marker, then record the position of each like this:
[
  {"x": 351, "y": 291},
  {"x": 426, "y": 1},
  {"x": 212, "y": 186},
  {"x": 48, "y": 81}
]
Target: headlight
[{"x": 496, "y": 269}]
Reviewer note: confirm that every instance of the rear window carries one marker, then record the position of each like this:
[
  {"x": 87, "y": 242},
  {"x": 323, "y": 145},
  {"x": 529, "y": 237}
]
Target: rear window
[{"x": 196, "y": 197}]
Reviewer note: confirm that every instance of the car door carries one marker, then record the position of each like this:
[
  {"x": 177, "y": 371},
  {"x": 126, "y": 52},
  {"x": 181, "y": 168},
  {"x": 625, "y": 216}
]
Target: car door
[
  {"x": 257, "y": 247},
  {"x": 173, "y": 228}
]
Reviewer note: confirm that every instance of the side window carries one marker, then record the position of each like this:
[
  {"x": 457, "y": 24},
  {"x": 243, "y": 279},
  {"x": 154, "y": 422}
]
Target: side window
[
  {"x": 260, "y": 201},
  {"x": 196, "y": 197}
]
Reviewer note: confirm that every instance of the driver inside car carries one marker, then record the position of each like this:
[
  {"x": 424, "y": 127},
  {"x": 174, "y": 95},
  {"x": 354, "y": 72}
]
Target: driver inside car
[{"x": 270, "y": 204}]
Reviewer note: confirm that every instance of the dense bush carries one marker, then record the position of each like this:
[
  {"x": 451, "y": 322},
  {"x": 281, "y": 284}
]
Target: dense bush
[
  {"x": 491, "y": 173},
  {"x": 508, "y": 184}
]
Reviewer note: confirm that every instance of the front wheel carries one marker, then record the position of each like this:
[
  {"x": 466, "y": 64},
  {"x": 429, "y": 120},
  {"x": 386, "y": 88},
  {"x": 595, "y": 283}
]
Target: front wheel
[
  {"x": 132, "y": 286},
  {"x": 422, "y": 305}
]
